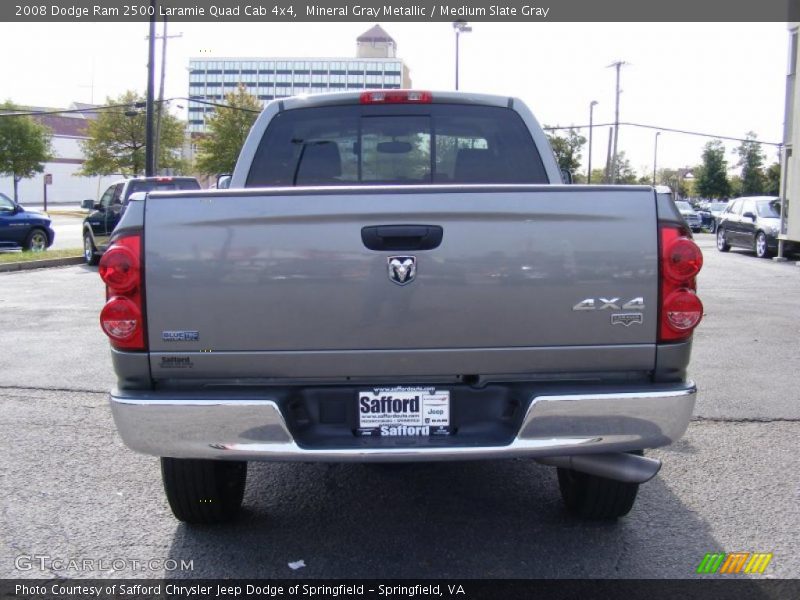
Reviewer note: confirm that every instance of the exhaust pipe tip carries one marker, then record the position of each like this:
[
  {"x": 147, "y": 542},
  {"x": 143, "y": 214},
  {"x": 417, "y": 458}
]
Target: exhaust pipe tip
[{"x": 628, "y": 468}]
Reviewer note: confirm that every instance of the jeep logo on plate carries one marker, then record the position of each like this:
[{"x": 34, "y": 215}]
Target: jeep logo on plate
[{"x": 402, "y": 269}]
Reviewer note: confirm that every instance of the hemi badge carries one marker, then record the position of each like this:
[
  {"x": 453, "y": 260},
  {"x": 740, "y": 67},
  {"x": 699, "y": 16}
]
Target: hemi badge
[
  {"x": 627, "y": 319},
  {"x": 180, "y": 336}
]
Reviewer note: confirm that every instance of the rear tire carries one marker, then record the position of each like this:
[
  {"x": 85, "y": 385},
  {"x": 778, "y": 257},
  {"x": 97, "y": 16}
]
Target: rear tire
[
  {"x": 204, "y": 491},
  {"x": 598, "y": 498},
  {"x": 89, "y": 251},
  {"x": 722, "y": 244}
]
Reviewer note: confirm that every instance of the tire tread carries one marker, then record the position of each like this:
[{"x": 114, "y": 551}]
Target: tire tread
[
  {"x": 596, "y": 498},
  {"x": 203, "y": 491}
]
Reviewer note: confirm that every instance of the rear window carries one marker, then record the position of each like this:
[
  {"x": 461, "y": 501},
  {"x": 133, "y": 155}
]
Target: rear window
[
  {"x": 163, "y": 186},
  {"x": 397, "y": 144}
]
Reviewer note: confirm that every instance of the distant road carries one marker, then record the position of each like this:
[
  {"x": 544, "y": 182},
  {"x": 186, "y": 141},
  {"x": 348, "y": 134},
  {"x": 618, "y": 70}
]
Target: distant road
[{"x": 53, "y": 206}]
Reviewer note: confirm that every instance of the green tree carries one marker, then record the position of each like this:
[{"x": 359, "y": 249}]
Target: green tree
[
  {"x": 711, "y": 178},
  {"x": 736, "y": 186},
  {"x": 25, "y": 145},
  {"x": 625, "y": 173},
  {"x": 116, "y": 141},
  {"x": 599, "y": 176},
  {"x": 675, "y": 179},
  {"x": 226, "y": 131},
  {"x": 751, "y": 160},
  {"x": 567, "y": 148},
  {"x": 772, "y": 182}
]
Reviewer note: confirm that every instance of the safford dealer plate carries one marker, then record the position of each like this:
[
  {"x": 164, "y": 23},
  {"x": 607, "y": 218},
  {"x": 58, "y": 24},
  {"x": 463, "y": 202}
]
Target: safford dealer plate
[{"x": 403, "y": 411}]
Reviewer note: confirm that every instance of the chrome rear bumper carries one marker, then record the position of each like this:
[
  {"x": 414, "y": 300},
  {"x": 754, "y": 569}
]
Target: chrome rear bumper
[{"x": 247, "y": 426}]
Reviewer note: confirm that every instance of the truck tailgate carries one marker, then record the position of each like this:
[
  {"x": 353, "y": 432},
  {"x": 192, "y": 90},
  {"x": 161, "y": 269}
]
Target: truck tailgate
[{"x": 279, "y": 283}]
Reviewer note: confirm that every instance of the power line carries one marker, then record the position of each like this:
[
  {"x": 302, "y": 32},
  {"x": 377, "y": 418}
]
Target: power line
[
  {"x": 669, "y": 129},
  {"x": 136, "y": 105},
  {"x": 252, "y": 110},
  {"x": 93, "y": 109}
]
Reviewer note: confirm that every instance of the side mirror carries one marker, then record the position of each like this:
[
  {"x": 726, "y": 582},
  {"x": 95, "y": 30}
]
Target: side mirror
[
  {"x": 566, "y": 176},
  {"x": 223, "y": 182},
  {"x": 87, "y": 204},
  {"x": 749, "y": 215}
]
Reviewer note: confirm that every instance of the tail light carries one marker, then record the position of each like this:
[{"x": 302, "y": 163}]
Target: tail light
[
  {"x": 119, "y": 269},
  {"x": 396, "y": 97},
  {"x": 122, "y": 318},
  {"x": 680, "y": 308}
]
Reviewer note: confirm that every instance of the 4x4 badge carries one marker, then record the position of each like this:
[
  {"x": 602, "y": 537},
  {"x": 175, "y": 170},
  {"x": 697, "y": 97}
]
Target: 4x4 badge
[
  {"x": 610, "y": 304},
  {"x": 402, "y": 269}
]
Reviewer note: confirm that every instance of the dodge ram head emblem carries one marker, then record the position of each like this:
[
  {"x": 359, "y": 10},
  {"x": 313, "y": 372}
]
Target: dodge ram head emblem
[{"x": 402, "y": 269}]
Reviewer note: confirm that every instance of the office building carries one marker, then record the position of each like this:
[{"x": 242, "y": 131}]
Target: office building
[{"x": 375, "y": 66}]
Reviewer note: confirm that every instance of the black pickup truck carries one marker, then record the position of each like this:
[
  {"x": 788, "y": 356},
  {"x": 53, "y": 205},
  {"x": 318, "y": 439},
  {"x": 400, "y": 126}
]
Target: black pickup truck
[{"x": 104, "y": 215}]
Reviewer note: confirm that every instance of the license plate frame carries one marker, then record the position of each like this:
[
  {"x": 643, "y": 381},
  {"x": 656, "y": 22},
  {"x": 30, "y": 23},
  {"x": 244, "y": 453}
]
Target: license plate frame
[{"x": 403, "y": 411}]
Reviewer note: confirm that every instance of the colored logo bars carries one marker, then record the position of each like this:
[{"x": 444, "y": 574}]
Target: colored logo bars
[{"x": 735, "y": 562}]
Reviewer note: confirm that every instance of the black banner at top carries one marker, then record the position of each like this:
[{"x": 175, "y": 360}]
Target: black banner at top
[{"x": 525, "y": 11}]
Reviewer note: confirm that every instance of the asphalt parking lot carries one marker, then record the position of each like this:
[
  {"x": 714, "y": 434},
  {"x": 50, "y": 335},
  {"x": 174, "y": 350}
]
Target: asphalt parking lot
[{"x": 72, "y": 490}]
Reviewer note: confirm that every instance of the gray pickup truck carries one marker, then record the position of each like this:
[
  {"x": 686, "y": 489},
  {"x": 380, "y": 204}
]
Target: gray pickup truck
[{"x": 401, "y": 276}]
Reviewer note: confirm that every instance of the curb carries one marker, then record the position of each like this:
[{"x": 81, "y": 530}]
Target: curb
[{"x": 41, "y": 264}]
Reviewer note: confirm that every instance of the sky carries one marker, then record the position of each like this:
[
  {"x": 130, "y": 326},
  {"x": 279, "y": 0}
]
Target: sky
[{"x": 719, "y": 78}]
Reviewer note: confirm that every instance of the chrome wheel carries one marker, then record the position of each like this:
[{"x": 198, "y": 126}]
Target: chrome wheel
[
  {"x": 761, "y": 245},
  {"x": 722, "y": 244},
  {"x": 37, "y": 241},
  {"x": 88, "y": 250}
]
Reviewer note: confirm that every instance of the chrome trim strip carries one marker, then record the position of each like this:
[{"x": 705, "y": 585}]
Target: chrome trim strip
[{"x": 189, "y": 425}]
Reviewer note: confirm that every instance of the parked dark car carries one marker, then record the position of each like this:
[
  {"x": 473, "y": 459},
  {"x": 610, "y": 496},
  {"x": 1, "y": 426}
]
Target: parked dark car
[
  {"x": 105, "y": 215},
  {"x": 752, "y": 222},
  {"x": 20, "y": 228},
  {"x": 689, "y": 215},
  {"x": 710, "y": 215}
]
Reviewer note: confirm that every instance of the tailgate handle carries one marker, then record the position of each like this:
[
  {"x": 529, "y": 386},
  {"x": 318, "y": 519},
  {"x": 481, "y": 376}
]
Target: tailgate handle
[{"x": 402, "y": 237}]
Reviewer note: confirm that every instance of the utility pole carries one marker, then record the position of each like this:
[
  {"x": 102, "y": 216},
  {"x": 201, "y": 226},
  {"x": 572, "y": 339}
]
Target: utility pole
[
  {"x": 655, "y": 157},
  {"x": 618, "y": 64},
  {"x": 160, "y": 109},
  {"x": 149, "y": 155},
  {"x": 608, "y": 156},
  {"x": 91, "y": 85}
]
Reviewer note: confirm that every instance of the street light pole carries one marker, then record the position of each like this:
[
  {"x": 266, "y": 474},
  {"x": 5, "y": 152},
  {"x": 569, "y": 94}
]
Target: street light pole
[
  {"x": 592, "y": 104},
  {"x": 655, "y": 157},
  {"x": 149, "y": 155},
  {"x": 459, "y": 27}
]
